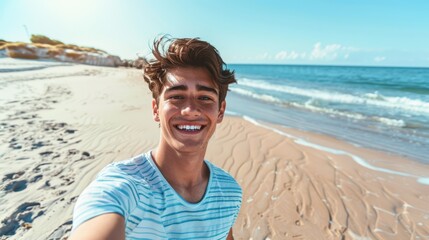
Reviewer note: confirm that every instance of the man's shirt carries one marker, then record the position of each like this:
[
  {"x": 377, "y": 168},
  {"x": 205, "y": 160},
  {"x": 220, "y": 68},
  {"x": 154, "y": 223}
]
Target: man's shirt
[{"x": 152, "y": 209}]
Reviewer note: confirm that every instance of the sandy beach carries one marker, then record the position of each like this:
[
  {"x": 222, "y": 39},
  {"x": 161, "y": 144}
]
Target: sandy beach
[{"x": 60, "y": 124}]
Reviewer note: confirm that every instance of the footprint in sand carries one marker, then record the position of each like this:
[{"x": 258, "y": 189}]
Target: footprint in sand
[
  {"x": 39, "y": 144},
  {"x": 16, "y": 186},
  {"x": 23, "y": 216},
  {"x": 15, "y": 146},
  {"x": 61, "y": 231},
  {"x": 13, "y": 175},
  {"x": 46, "y": 153},
  {"x": 70, "y": 131},
  {"x": 36, "y": 178}
]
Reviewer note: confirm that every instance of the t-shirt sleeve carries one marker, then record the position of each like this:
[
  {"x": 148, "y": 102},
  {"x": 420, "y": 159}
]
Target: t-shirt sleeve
[{"x": 110, "y": 192}]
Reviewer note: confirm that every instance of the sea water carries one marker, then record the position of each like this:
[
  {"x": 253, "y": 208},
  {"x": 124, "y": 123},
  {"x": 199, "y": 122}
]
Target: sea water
[{"x": 385, "y": 108}]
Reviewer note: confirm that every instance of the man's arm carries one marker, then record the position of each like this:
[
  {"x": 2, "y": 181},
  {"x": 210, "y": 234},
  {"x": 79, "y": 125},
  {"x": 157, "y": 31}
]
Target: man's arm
[
  {"x": 110, "y": 226},
  {"x": 230, "y": 237}
]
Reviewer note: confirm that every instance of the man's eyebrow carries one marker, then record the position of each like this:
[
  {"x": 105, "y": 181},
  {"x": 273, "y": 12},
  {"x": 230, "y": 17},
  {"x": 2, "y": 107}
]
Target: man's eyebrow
[
  {"x": 184, "y": 88},
  {"x": 177, "y": 88},
  {"x": 205, "y": 88}
]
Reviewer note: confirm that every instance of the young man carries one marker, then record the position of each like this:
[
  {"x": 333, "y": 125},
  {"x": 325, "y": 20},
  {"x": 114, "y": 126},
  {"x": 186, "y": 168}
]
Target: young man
[{"x": 170, "y": 192}]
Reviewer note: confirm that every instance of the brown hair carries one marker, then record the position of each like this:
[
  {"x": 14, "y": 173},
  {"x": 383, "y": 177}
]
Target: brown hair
[{"x": 170, "y": 53}]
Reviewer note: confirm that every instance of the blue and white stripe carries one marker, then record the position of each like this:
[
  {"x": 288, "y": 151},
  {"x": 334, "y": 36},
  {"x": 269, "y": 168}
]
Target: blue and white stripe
[{"x": 152, "y": 209}]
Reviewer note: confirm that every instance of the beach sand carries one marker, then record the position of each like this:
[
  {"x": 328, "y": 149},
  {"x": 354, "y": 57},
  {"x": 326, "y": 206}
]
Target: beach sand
[{"x": 61, "y": 124}]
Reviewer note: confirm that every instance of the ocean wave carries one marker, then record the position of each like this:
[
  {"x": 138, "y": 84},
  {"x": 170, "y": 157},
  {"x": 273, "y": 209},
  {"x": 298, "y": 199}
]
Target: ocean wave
[
  {"x": 262, "y": 97},
  {"x": 391, "y": 122},
  {"x": 355, "y": 116},
  {"x": 407, "y": 88},
  {"x": 309, "y": 105},
  {"x": 231, "y": 113},
  {"x": 374, "y": 99}
]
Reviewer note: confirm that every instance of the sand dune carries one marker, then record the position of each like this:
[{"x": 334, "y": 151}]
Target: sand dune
[{"x": 61, "y": 124}]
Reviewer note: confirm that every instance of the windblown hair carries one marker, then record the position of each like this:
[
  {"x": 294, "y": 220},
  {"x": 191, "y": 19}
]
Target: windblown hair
[{"x": 170, "y": 53}]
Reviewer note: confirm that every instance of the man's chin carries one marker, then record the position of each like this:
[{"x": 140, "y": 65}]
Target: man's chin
[{"x": 190, "y": 146}]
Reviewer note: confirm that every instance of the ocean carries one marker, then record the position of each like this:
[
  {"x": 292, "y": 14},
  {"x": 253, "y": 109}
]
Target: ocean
[{"x": 384, "y": 108}]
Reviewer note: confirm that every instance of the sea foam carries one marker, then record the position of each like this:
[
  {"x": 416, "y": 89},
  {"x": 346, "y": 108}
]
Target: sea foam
[
  {"x": 309, "y": 105},
  {"x": 374, "y": 99},
  {"x": 263, "y": 97}
]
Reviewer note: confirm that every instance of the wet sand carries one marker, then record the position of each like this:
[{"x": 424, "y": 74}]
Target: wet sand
[{"x": 60, "y": 124}]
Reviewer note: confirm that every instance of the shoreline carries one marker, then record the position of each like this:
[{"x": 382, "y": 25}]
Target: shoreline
[
  {"x": 71, "y": 121},
  {"x": 358, "y": 133},
  {"x": 335, "y": 150}
]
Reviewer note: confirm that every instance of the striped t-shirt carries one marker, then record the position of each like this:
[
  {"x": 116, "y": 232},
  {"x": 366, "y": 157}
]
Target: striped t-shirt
[{"x": 152, "y": 209}]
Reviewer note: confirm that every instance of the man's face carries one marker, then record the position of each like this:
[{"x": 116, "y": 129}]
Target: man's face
[{"x": 188, "y": 109}]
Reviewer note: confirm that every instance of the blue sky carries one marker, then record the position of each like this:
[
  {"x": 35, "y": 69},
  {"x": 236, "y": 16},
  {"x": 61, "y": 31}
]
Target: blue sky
[{"x": 330, "y": 32}]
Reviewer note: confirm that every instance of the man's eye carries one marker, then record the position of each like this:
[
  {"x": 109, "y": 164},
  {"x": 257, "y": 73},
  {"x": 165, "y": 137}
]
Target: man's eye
[
  {"x": 176, "y": 97},
  {"x": 205, "y": 98}
]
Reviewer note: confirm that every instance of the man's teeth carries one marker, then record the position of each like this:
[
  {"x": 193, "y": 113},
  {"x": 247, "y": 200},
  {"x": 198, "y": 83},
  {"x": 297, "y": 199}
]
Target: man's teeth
[{"x": 189, "y": 127}]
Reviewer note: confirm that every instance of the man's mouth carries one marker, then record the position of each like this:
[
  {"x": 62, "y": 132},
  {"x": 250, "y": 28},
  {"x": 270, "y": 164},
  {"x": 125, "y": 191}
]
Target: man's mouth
[{"x": 190, "y": 128}]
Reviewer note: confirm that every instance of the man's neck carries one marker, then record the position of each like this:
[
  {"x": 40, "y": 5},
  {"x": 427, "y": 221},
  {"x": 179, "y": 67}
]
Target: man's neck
[{"x": 186, "y": 172}]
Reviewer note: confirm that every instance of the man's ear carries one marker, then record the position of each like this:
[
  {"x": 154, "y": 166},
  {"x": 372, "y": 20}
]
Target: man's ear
[
  {"x": 155, "y": 111},
  {"x": 221, "y": 112}
]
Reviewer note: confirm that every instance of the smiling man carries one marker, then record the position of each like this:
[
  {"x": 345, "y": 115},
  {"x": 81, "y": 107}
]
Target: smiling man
[{"x": 171, "y": 192}]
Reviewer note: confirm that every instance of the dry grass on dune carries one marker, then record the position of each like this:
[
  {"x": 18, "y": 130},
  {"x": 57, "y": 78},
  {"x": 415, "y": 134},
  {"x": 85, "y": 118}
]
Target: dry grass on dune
[
  {"x": 43, "y": 47},
  {"x": 19, "y": 50},
  {"x": 54, "y": 48},
  {"x": 78, "y": 48},
  {"x": 52, "y": 52},
  {"x": 74, "y": 55},
  {"x": 40, "y": 39},
  {"x": 29, "y": 50},
  {"x": 45, "y": 40},
  {"x": 12, "y": 45}
]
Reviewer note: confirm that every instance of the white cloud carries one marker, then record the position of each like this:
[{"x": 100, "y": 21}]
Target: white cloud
[
  {"x": 379, "y": 59},
  {"x": 293, "y": 55},
  {"x": 282, "y": 55},
  {"x": 328, "y": 52},
  {"x": 319, "y": 53},
  {"x": 265, "y": 56}
]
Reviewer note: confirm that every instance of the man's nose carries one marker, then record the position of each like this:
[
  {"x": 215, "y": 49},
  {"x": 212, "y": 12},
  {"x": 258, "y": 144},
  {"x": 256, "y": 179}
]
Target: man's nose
[{"x": 190, "y": 108}]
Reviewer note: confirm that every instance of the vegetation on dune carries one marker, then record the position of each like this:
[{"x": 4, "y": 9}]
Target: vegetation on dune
[
  {"x": 82, "y": 49},
  {"x": 74, "y": 55},
  {"x": 11, "y": 45},
  {"x": 2, "y": 42},
  {"x": 19, "y": 50},
  {"x": 52, "y": 52},
  {"x": 52, "y": 46},
  {"x": 43, "y": 39},
  {"x": 46, "y": 48}
]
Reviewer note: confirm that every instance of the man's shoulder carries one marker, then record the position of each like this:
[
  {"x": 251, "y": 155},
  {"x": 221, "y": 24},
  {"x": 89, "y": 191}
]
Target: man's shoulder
[
  {"x": 219, "y": 172},
  {"x": 130, "y": 170},
  {"x": 224, "y": 178}
]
